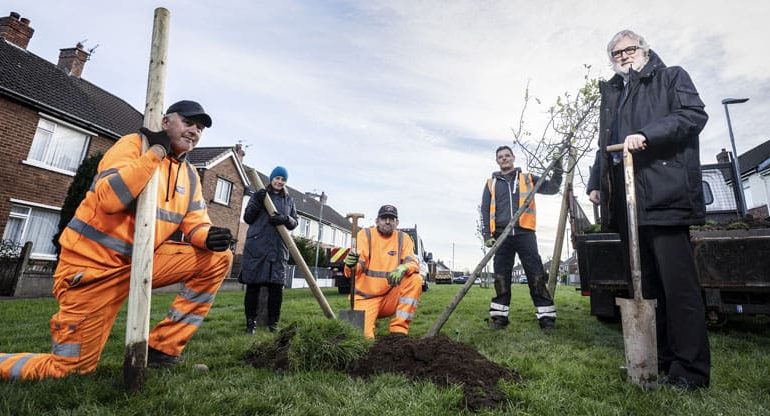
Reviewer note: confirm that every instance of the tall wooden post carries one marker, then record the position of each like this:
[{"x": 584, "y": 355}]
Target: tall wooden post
[
  {"x": 553, "y": 274},
  {"x": 138, "y": 318}
]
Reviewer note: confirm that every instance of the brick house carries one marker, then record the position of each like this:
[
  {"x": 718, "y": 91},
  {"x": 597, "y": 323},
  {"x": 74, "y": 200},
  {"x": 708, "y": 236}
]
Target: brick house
[
  {"x": 50, "y": 120},
  {"x": 224, "y": 184}
]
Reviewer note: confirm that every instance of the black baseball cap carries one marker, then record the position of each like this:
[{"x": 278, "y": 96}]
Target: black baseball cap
[
  {"x": 190, "y": 109},
  {"x": 388, "y": 211}
]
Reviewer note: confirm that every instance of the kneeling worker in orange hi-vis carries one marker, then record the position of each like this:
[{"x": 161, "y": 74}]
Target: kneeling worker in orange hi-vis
[
  {"x": 388, "y": 282},
  {"x": 92, "y": 278}
]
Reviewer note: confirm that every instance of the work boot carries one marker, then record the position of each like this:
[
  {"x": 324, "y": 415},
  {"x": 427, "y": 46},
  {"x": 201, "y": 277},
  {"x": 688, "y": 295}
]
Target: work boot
[
  {"x": 158, "y": 359},
  {"x": 497, "y": 324},
  {"x": 547, "y": 323},
  {"x": 251, "y": 326}
]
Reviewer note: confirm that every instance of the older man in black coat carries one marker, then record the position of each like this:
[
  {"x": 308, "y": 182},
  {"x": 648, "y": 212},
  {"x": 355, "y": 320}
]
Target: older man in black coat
[{"x": 655, "y": 111}]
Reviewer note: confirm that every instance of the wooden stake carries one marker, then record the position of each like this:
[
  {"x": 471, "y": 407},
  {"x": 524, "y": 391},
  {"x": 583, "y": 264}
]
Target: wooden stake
[
  {"x": 138, "y": 318},
  {"x": 295, "y": 254},
  {"x": 553, "y": 274}
]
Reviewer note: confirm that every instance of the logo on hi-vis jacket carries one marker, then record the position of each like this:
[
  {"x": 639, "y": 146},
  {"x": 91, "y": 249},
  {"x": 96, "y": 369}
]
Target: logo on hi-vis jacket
[{"x": 392, "y": 253}]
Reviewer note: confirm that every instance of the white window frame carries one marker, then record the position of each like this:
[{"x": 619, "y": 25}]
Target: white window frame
[
  {"x": 304, "y": 227},
  {"x": 223, "y": 186},
  {"x": 45, "y": 165},
  {"x": 36, "y": 255}
]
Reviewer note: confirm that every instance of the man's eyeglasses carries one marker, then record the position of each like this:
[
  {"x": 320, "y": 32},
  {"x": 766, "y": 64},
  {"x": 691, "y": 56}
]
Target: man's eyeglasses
[{"x": 630, "y": 51}]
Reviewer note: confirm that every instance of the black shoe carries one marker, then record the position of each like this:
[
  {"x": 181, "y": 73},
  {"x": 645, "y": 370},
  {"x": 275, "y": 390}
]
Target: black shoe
[
  {"x": 497, "y": 324},
  {"x": 158, "y": 359},
  {"x": 547, "y": 323},
  {"x": 251, "y": 326},
  {"x": 680, "y": 382}
]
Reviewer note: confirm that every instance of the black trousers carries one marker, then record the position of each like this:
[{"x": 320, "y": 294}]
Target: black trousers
[
  {"x": 669, "y": 275},
  {"x": 274, "y": 301},
  {"x": 525, "y": 245}
]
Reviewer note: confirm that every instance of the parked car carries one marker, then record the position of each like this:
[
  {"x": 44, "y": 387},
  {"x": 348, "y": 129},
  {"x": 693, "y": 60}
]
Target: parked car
[
  {"x": 460, "y": 279},
  {"x": 523, "y": 280}
]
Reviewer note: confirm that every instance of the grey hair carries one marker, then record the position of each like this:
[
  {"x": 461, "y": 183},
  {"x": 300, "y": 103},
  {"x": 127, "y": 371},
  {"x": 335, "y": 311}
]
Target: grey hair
[{"x": 627, "y": 34}]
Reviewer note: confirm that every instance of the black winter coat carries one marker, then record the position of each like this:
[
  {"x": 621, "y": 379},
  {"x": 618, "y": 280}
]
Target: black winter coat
[
  {"x": 664, "y": 106},
  {"x": 264, "y": 253}
]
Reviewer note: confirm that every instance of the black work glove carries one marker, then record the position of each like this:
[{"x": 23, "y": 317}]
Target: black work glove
[
  {"x": 160, "y": 138},
  {"x": 278, "y": 219},
  {"x": 259, "y": 196},
  {"x": 218, "y": 239}
]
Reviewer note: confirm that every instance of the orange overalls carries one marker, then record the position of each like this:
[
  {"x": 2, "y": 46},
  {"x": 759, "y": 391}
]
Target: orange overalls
[
  {"x": 92, "y": 278},
  {"x": 378, "y": 256}
]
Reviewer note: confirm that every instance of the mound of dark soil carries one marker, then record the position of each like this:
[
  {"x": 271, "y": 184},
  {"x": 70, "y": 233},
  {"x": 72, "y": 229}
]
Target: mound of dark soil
[{"x": 441, "y": 361}]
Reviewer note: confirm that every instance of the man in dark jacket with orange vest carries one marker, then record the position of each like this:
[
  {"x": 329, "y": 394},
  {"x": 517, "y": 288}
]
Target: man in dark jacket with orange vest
[
  {"x": 92, "y": 277},
  {"x": 502, "y": 196},
  {"x": 655, "y": 111}
]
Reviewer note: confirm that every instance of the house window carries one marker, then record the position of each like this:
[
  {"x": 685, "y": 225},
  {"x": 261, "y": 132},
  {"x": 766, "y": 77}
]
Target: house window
[
  {"x": 304, "y": 226},
  {"x": 222, "y": 194},
  {"x": 27, "y": 223},
  {"x": 57, "y": 147}
]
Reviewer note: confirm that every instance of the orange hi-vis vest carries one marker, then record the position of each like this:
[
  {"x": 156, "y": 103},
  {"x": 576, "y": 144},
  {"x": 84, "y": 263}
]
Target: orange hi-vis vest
[
  {"x": 527, "y": 219},
  {"x": 101, "y": 233},
  {"x": 378, "y": 257}
]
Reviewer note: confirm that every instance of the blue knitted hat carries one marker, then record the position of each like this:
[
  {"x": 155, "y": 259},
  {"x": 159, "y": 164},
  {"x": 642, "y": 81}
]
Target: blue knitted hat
[{"x": 279, "y": 171}]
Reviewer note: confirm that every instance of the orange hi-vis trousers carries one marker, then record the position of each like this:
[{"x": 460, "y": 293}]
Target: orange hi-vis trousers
[
  {"x": 88, "y": 309},
  {"x": 400, "y": 302}
]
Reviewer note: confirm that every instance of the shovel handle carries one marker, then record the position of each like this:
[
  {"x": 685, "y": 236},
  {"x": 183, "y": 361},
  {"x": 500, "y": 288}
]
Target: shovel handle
[
  {"x": 353, "y": 248},
  {"x": 615, "y": 147}
]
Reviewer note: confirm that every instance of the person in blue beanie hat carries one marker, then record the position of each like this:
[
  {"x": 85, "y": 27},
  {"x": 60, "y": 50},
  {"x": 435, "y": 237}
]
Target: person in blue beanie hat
[{"x": 265, "y": 254}]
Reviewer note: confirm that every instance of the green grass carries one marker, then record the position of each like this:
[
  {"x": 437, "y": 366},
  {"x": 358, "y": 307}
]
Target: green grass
[{"x": 572, "y": 371}]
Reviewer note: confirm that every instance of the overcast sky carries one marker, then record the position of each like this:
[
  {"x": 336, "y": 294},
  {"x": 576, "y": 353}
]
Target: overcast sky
[{"x": 404, "y": 102}]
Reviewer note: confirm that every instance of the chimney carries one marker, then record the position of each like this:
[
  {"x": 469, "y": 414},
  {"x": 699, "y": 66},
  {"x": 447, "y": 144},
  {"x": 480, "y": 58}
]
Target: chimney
[
  {"x": 16, "y": 30},
  {"x": 240, "y": 152},
  {"x": 723, "y": 157},
  {"x": 72, "y": 60}
]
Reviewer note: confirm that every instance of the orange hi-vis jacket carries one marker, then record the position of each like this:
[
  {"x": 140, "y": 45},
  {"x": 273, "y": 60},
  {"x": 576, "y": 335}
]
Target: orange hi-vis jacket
[
  {"x": 100, "y": 235},
  {"x": 378, "y": 256},
  {"x": 528, "y": 217}
]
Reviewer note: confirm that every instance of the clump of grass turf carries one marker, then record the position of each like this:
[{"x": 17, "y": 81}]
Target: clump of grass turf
[{"x": 317, "y": 345}]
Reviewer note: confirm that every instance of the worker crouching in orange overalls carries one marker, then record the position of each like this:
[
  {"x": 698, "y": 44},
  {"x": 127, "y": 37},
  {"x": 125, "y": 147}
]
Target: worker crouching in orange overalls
[
  {"x": 387, "y": 276},
  {"x": 92, "y": 278}
]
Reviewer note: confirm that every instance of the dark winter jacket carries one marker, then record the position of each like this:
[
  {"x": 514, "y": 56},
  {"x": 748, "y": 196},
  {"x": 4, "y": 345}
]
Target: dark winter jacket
[
  {"x": 507, "y": 200},
  {"x": 663, "y": 105},
  {"x": 264, "y": 253}
]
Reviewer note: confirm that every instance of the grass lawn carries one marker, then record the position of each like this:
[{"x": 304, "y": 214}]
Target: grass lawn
[{"x": 571, "y": 371}]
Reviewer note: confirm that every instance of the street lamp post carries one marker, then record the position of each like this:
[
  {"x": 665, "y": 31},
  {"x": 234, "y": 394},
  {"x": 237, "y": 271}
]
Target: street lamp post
[
  {"x": 322, "y": 198},
  {"x": 739, "y": 182}
]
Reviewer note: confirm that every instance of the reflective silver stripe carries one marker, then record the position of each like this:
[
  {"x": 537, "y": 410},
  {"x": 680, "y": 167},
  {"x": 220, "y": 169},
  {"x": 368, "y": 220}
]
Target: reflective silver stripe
[
  {"x": 497, "y": 306},
  {"x": 197, "y": 297},
  {"x": 65, "y": 350},
  {"x": 169, "y": 216},
  {"x": 16, "y": 369},
  {"x": 497, "y": 313},
  {"x": 375, "y": 273},
  {"x": 185, "y": 318},
  {"x": 115, "y": 244},
  {"x": 546, "y": 314},
  {"x": 196, "y": 206},
  {"x": 410, "y": 258},
  {"x": 193, "y": 205},
  {"x": 4, "y": 357},
  {"x": 121, "y": 190},
  {"x": 549, "y": 308},
  {"x": 400, "y": 244},
  {"x": 408, "y": 301},
  {"x": 101, "y": 175},
  {"x": 405, "y": 315}
]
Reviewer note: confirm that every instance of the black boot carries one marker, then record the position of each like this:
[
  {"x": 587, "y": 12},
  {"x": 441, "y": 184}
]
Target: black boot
[{"x": 251, "y": 326}]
